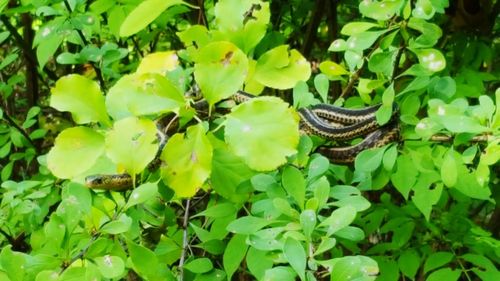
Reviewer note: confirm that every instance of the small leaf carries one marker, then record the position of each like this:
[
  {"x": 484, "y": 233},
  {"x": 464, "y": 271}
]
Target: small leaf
[
  {"x": 339, "y": 219},
  {"x": 449, "y": 169},
  {"x": 247, "y": 225},
  {"x": 80, "y": 96},
  {"x": 281, "y": 68},
  {"x": 447, "y": 274},
  {"x": 258, "y": 262},
  {"x": 218, "y": 211},
  {"x": 121, "y": 225},
  {"x": 142, "y": 193},
  {"x": 200, "y": 265},
  {"x": 158, "y": 62},
  {"x": 295, "y": 255},
  {"x": 143, "y": 259},
  {"x": 234, "y": 254},
  {"x": 405, "y": 176},
  {"x": 294, "y": 184},
  {"x": 263, "y": 131},
  {"x": 110, "y": 266},
  {"x": 188, "y": 161},
  {"x": 322, "y": 84},
  {"x": 308, "y": 222},
  {"x": 390, "y": 157},
  {"x": 75, "y": 151},
  {"x": 352, "y": 28},
  {"x": 436, "y": 260},
  {"x": 369, "y": 160},
  {"x": 409, "y": 262},
  {"x": 431, "y": 59},
  {"x": 144, "y": 14},
  {"x": 332, "y": 69}
]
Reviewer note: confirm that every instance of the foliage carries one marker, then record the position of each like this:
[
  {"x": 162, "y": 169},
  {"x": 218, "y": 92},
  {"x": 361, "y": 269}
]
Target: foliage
[{"x": 240, "y": 194}]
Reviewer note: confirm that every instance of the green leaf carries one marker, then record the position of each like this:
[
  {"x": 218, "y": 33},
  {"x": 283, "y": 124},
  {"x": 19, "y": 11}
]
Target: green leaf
[
  {"x": 405, "y": 176},
  {"x": 144, "y": 261},
  {"x": 431, "y": 59},
  {"x": 258, "y": 262},
  {"x": 281, "y": 68},
  {"x": 281, "y": 273},
  {"x": 409, "y": 262},
  {"x": 447, "y": 274},
  {"x": 80, "y": 96},
  {"x": 220, "y": 70},
  {"x": 47, "y": 48},
  {"x": 436, "y": 260},
  {"x": 121, "y": 225},
  {"x": 383, "y": 62},
  {"x": 308, "y": 222},
  {"x": 247, "y": 225},
  {"x": 296, "y": 256},
  {"x": 369, "y": 160},
  {"x": 379, "y": 10},
  {"x": 188, "y": 159},
  {"x": 353, "y": 268},
  {"x": 363, "y": 40},
  {"x": 325, "y": 245},
  {"x": 228, "y": 172},
  {"x": 322, "y": 84},
  {"x": 352, "y": 28},
  {"x": 13, "y": 263},
  {"x": 200, "y": 265},
  {"x": 158, "y": 62},
  {"x": 295, "y": 185},
  {"x": 423, "y": 9},
  {"x": 449, "y": 169},
  {"x": 241, "y": 23},
  {"x": 332, "y": 69},
  {"x": 263, "y": 131},
  {"x": 110, "y": 266},
  {"x": 339, "y": 45},
  {"x": 144, "y": 14},
  {"x": 234, "y": 254},
  {"x": 132, "y": 144},
  {"x": 218, "y": 211},
  {"x": 143, "y": 94},
  {"x": 390, "y": 157},
  {"x": 339, "y": 219},
  {"x": 317, "y": 167},
  {"x": 75, "y": 151},
  {"x": 145, "y": 192}
]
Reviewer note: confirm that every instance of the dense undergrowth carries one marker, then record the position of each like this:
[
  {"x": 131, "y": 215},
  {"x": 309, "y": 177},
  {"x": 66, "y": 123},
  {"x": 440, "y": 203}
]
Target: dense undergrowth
[{"x": 240, "y": 194}]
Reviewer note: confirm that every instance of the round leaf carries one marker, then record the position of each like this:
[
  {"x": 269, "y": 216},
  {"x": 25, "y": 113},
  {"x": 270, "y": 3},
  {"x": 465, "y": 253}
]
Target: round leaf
[
  {"x": 80, "y": 96},
  {"x": 220, "y": 70},
  {"x": 263, "y": 131},
  {"x": 110, "y": 266},
  {"x": 75, "y": 151},
  {"x": 188, "y": 161},
  {"x": 159, "y": 62},
  {"x": 431, "y": 59},
  {"x": 281, "y": 68},
  {"x": 143, "y": 94},
  {"x": 132, "y": 144}
]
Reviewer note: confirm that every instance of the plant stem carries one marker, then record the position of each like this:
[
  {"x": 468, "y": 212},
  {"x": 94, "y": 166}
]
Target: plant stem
[
  {"x": 184, "y": 240},
  {"x": 21, "y": 130}
]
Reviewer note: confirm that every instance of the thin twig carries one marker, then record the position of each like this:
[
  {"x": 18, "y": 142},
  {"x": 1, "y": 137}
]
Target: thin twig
[
  {"x": 86, "y": 43},
  {"x": 184, "y": 241},
  {"x": 312, "y": 28},
  {"x": 21, "y": 130}
]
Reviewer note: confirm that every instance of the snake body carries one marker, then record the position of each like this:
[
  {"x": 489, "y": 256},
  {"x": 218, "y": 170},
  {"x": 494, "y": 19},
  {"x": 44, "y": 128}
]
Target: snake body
[{"x": 327, "y": 121}]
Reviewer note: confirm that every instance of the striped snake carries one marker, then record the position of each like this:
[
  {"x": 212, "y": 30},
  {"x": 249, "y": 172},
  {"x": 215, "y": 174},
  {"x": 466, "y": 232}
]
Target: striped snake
[{"x": 326, "y": 121}]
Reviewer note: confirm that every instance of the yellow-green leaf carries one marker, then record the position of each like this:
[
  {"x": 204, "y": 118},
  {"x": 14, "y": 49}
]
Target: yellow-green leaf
[
  {"x": 159, "y": 62},
  {"x": 80, "y": 96},
  {"x": 263, "y": 131},
  {"x": 75, "y": 151},
  {"x": 188, "y": 161},
  {"x": 132, "y": 144}
]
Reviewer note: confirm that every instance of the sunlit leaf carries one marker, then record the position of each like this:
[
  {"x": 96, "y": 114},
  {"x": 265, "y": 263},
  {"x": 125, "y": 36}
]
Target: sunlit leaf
[
  {"x": 281, "y": 68},
  {"x": 263, "y": 131},
  {"x": 431, "y": 59},
  {"x": 295, "y": 255},
  {"x": 159, "y": 62},
  {"x": 220, "y": 70},
  {"x": 144, "y": 14},
  {"x": 188, "y": 159},
  {"x": 332, "y": 69},
  {"x": 143, "y": 94},
  {"x": 110, "y": 266},
  {"x": 80, "y": 96},
  {"x": 75, "y": 151},
  {"x": 132, "y": 144}
]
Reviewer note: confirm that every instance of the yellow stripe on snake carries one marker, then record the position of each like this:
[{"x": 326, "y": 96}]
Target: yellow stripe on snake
[{"x": 326, "y": 121}]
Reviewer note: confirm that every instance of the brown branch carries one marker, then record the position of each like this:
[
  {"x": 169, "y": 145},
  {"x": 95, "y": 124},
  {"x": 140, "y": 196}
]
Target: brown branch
[
  {"x": 202, "y": 17},
  {"x": 31, "y": 67},
  {"x": 27, "y": 50},
  {"x": 312, "y": 28}
]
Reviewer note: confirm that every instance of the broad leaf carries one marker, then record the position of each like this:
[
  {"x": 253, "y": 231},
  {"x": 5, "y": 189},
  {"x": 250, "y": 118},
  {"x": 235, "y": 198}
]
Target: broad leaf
[
  {"x": 295, "y": 255},
  {"x": 220, "y": 70},
  {"x": 110, "y": 266},
  {"x": 431, "y": 59},
  {"x": 234, "y": 254},
  {"x": 80, "y": 96},
  {"x": 263, "y": 131},
  {"x": 75, "y": 151},
  {"x": 339, "y": 219},
  {"x": 132, "y": 144},
  {"x": 281, "y": 68},
  {"x": 159, "y": 62},
  {"x": 188, "y": 159}
]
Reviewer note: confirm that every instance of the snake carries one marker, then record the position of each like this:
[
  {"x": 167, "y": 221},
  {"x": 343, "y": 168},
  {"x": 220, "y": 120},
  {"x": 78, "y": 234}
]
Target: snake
[{"x": 329, "y": 122}]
